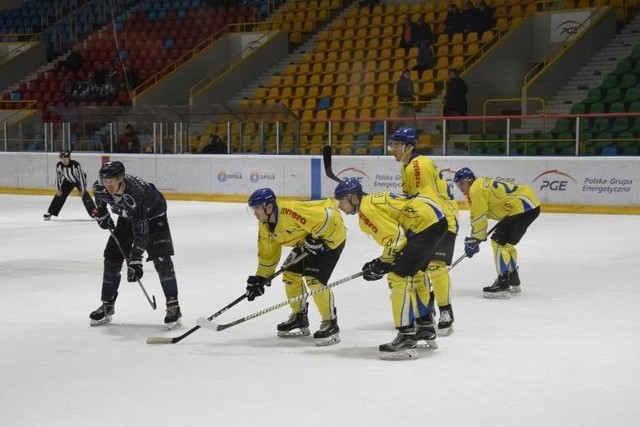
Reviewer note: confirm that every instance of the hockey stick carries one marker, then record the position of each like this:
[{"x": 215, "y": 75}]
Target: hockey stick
[
  {"x": 207, "y": 324},
  {"x": 463, "y": 256},
  {"x": 326, "y": 159},
  {"x": 166, "y": 340},
  {"x": 151, "y": 301}
]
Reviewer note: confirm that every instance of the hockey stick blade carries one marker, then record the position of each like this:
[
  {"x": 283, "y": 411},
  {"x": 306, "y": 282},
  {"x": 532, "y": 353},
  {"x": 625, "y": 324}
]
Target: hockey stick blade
[
  {"x": 326, "y": 159},
  {"x": 165, "y": 340},
  {"x": 160, "y": 340}
]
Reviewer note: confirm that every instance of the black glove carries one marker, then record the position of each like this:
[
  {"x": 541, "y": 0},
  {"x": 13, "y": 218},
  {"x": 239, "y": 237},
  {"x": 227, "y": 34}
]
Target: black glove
[
  {"x": 314, "y": 246},
  {"x": 103, "y": 218},
  {"x": 134, "y": 269},
  {"x": 255, "y": 286},
  {"x": 471, "y": 246},
  {"x": 375, "y": 269}
]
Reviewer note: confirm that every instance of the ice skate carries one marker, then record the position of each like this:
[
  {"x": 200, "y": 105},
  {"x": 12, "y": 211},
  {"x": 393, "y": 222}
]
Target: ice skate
[
  {"x": 425, "y": 331},
  {"x": 46, "y": 216},
  {"x": 328, "y": 333},
  {"x": 296, "y": 326},
  {"x": 500, "y": 288},
  {"x": 445, "y": 323},
  {"x": 102, "y": 315},
  {"x": 403, "y": 347},
  {"x": 173, "y": 318},
  {"x": 514, "y": 282}
]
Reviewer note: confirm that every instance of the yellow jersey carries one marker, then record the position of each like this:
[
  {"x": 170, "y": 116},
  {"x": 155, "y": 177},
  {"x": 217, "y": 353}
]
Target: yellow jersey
[
  {"x": 391, "y": 218},
  {"x": 421, "y": 172},
  {"x": 294, "y": 221},
  {"x": 492, "y": 199}
]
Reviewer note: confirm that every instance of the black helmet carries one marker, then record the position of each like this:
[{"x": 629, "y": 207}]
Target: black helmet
[{"x": 114, "y": 169}]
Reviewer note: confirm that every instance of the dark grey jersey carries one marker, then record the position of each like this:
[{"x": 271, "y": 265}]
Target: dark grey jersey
[{"x": 140, "y": 202}]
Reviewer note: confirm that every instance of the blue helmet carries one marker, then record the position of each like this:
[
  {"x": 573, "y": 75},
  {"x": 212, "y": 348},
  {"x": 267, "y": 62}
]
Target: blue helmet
[
  {"x": 464, "y": 174},
  {"x": 407, "y": 136},
  {"x": 261, "y": 196},
  {"x": 348, "y": 186}
]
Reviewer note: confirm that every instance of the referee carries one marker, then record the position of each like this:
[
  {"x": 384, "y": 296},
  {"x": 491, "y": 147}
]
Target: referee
[{"x": 69, "y": 175}]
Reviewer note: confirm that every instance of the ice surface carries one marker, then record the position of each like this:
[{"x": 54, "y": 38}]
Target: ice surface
[{"x": 563, "y": 353}]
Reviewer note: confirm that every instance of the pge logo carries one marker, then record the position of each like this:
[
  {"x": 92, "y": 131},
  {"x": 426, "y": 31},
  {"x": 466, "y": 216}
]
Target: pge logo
[
  {"x": 554, "y": 180},
  {"x": 569, "y": 27},
  {"x": 356, "y": 170}
]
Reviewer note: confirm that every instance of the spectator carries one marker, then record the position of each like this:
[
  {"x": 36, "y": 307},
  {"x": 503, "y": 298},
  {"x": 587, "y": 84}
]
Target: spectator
[
  {"x": 70, "y": 90},
  {"x": 455, "y": 99},
  {"x": 453, "y": 21},
  {"x": 484, "y": 19},
  {"x": 74, "y": 61},
  {"x": 407, "y": 36},
  {"x": 129, "y": 141},
  {"x": 215, "y": 145},
  {"x": 423, "y": 32},
  {"x": 406, "y": 96},
  {"x": 469, "y": 17},
  {"x": 425, "y": 59}
]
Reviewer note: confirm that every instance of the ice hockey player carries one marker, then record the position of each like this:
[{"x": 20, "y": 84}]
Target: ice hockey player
[
  {"x": 409, "y": 230},
  {"x": 418, "y": 172},
  {"x": 515, "y": 207},
  {"x": 315, "y": 227},
  {"x": 69, "y": 175},
  {"x": 142, "y": 226}
]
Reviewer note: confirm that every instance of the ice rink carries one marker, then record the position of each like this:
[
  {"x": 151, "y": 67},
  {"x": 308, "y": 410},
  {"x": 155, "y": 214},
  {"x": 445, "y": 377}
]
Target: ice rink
[{"x": 566, "y": 352}]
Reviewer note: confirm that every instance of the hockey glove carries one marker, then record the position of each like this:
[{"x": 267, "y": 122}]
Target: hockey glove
[
  {"x": 255, "y": 286},
  {"x": 103, "y": 218},
  {"x": 314, "y": 246},
  {"x": 471, "y": 246},
  {"x": 375, "y": 270},
  {"x": 134, "y": 269}
]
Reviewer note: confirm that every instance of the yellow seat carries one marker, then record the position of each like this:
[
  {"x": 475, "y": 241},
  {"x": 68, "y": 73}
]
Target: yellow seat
[
  {"x": 472, "y": 49},
  {"x": 472, "y": 37},
  {"x": 442, "y": 63},
  {"x": 457, "y": 50},
  {"x": 457, "y": 62}
]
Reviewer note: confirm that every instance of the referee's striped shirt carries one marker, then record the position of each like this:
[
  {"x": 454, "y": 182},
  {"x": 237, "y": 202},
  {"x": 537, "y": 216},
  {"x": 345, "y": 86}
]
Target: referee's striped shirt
[{"x": 72, "y": 173}]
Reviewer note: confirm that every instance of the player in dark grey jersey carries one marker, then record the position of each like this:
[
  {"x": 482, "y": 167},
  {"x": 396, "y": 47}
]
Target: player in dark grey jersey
[{"x": 142, "y": 226}]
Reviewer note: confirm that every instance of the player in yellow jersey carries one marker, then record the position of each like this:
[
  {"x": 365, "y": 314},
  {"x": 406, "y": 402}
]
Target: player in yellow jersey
[
  {"x": 312, "y": 226},
  {"x": 419, "y": 172},
  {"x": 408, "y": 229},
  {"x": 515, "y": 207}
]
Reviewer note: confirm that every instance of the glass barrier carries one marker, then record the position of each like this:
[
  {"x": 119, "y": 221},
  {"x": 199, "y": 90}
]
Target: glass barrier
[{"x": 273, "y": 129}]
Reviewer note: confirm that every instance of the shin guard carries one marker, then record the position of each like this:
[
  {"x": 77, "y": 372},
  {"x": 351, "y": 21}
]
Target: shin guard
[
  {"x": 293, "y": 287},
  {"x": 441, "y": 282},
  {"x": 505, "y": 257},
  {"x": 110, "y": 280},
  {"x": 167, "y": 275},
  {"x": 324, "y": 300}
]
